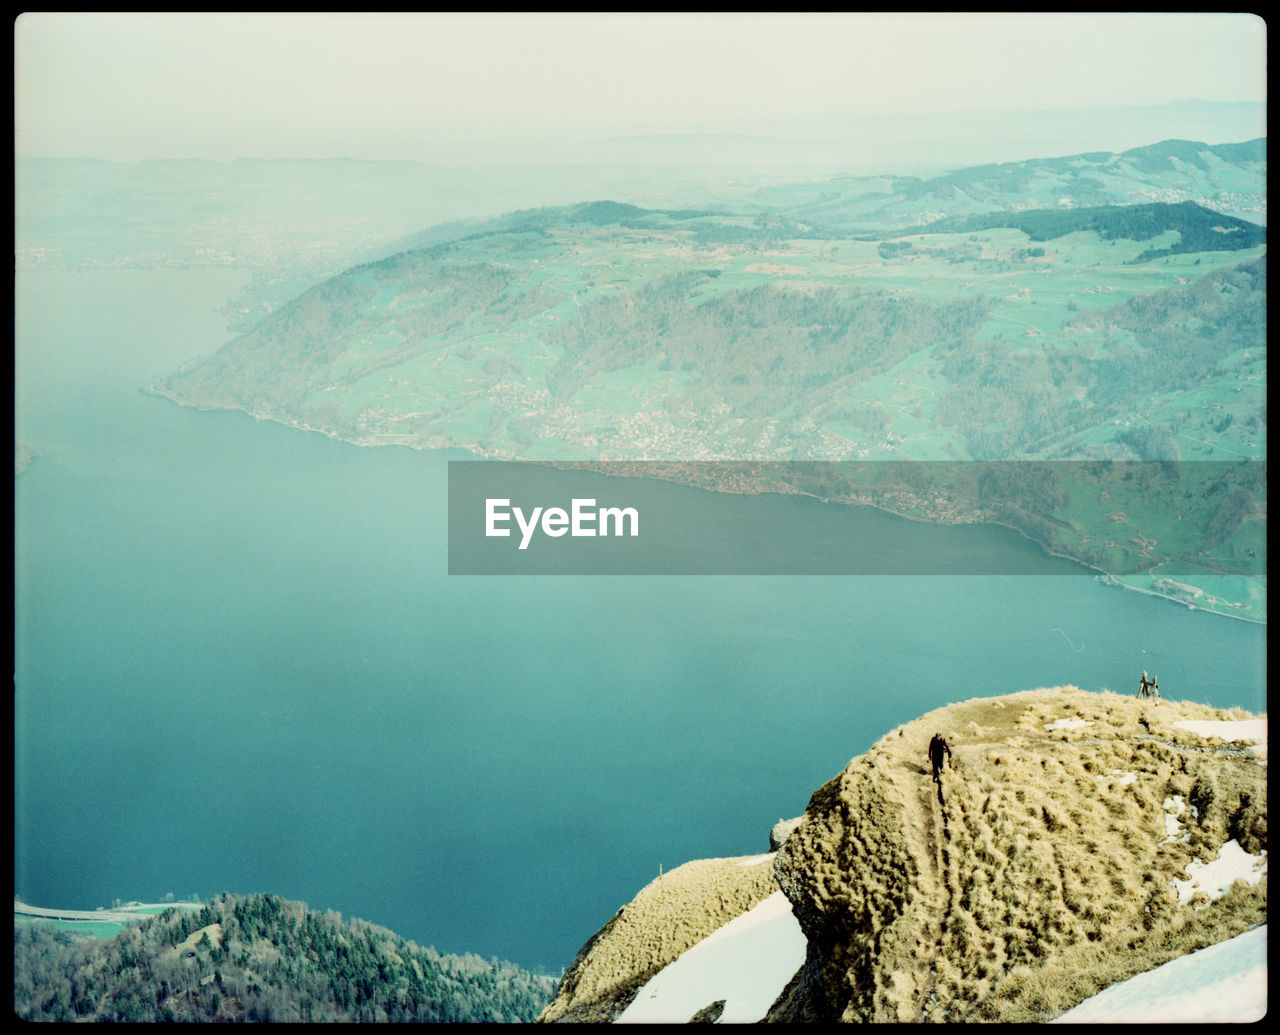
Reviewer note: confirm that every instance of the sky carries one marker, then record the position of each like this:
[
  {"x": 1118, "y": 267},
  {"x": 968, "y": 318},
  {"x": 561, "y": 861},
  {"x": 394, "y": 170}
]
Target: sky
[{"x": 131, "y": 86}]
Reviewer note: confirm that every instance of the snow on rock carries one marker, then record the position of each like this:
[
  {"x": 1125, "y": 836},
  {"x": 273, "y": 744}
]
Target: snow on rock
[
  {"x": 782, "y": 830},
  {"x": 1214, "y": 878},
  {"x": 1173, "y": 809},
  {"x": 1225, "y": 983},
  {"x": 747, "y": 962}
]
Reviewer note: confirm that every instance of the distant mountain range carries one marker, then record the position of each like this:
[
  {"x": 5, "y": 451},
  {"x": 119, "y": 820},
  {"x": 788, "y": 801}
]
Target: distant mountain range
[
  {"x": 1229, "y": 178},
  {"x": 921, "y": 143}
]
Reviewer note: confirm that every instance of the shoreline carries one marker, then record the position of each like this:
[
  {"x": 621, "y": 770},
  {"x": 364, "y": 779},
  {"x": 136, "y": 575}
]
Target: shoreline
[
  {"x": 1107, "y": 578},
  {"x": 129, "y": 913}
]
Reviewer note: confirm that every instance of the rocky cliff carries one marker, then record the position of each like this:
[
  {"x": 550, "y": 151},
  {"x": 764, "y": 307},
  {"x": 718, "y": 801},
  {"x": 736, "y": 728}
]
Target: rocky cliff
[{"x": 1058, "y": 857}]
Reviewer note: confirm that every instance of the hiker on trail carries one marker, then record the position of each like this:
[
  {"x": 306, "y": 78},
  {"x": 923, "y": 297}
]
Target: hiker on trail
[{"x": 937, "y": 746}]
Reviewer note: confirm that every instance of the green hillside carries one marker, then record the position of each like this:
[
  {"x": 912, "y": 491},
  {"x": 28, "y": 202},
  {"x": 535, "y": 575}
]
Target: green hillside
[
  {"x": 607, "y": 331},
  {"x": 718, "y": 336}
]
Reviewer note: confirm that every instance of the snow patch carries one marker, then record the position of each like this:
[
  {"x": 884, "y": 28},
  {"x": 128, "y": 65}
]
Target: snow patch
[
  {"x": 747, "y": 962},
  {"x": 1225, "y": 983},
  {"x": 1215, "y": 878}
]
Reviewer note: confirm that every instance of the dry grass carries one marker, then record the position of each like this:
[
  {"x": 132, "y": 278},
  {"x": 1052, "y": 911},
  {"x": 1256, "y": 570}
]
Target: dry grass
[
  {"x": 670, "y": 915},
  {"x": 1046, "y": 876}
]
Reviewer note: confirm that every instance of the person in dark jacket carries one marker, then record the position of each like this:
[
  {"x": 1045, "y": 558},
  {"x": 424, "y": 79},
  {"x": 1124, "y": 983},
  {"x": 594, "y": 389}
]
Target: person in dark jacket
[{"x": 937, "y": 747}]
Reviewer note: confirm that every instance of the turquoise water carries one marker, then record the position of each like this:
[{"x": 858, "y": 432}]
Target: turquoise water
[{"x": 241, "y": 665}]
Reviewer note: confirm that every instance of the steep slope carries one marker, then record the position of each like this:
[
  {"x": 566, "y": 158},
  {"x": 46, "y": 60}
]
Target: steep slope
[
  {"x": 1224, "y": 983},
  {"x": 1061, "y": 860},
  {"x": 1049, "y": 865},
  {"x": 670, "y": 915}
]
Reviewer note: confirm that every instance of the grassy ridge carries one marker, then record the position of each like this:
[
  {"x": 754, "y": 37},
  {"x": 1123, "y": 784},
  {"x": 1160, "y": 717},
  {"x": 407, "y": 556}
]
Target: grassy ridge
[
  {"x": 1047, "y": 875},
  {"x": 668, "y": 916}
]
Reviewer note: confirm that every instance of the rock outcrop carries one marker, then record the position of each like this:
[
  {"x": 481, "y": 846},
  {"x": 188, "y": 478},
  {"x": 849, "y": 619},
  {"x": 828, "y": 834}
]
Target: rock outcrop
[
  {"x": 781, "y": 831},
  {"x": 1044, "y": 870}
]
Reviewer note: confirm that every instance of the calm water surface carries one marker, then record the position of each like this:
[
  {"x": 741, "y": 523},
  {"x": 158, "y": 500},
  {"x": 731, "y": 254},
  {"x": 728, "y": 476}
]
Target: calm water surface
[{"x": 241, "y": 665}]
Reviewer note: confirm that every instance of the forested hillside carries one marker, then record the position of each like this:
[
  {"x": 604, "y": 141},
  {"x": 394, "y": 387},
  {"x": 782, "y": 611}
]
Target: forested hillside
[
  {"x": 1198, "y": 229},
  {"x": 261, "y": 958}
]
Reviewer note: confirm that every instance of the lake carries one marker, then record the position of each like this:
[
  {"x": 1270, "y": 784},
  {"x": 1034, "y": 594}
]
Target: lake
[{"x": 241, "y": 665}]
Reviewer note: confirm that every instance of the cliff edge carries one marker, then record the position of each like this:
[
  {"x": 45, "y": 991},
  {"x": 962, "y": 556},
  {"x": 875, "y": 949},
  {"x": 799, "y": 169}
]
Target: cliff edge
[{"x": 1059, "y": 855}]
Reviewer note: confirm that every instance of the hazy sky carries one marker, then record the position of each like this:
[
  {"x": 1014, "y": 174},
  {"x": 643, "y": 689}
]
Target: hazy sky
[{"x": 391, "y": 85}]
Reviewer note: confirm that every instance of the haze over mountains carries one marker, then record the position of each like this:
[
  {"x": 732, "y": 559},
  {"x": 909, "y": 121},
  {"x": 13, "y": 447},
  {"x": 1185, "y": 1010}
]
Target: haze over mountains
[
  {"x": 568, "y": 270},
  {"x": 815, "y": 270},
  {"x": 1096, "y": 306},
  {"x": 902, "y": 142}
]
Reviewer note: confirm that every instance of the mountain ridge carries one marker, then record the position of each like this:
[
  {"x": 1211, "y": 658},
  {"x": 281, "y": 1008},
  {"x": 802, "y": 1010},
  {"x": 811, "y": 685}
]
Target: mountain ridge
[
  {"x": 608, "y": 331},
  {"x": 1050, "y": 872},
  {"x": 1222, "y": 177}
]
